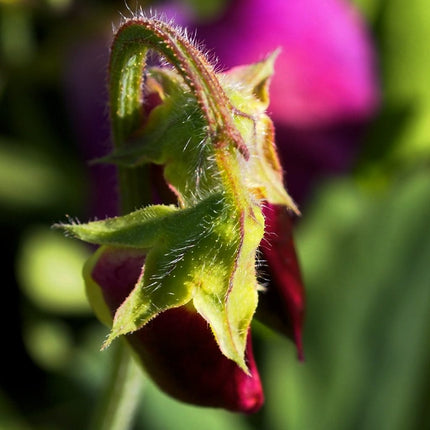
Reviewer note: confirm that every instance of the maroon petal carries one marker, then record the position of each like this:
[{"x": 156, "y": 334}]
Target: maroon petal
[
  {"x": 282, "y": 304},
  {"x": 179, "y": 351},
  {"x": 177, "y": 348}
]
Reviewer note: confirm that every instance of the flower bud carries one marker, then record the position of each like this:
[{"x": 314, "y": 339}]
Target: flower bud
[{"x": 177, "y": 347}]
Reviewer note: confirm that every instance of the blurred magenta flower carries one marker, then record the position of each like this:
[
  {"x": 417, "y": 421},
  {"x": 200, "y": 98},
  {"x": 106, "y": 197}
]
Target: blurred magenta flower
[
  {"x": 324, "y": 72},
  {"x": 324, "y": 91},
  {"x": 325, "y": 87},
  {"x": 177, "y": 347}
]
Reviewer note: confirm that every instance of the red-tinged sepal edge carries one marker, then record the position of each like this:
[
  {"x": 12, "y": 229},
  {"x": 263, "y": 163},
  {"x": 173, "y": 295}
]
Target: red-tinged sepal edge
[{"x": 179, "y": 281}]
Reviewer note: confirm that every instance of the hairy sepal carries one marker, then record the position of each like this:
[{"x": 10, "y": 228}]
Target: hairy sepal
[
  {"x": 178, "y": 127},
  {"x": 204, "y": 254}
]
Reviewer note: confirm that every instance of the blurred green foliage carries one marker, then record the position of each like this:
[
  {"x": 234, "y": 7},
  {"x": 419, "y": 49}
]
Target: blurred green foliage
[
  {"x": 364, "y": 243},
  {"x": 49, "y": 269}
]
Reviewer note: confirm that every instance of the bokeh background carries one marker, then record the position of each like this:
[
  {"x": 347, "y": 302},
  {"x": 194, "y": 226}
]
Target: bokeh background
[{"x": 351, "y": 103}]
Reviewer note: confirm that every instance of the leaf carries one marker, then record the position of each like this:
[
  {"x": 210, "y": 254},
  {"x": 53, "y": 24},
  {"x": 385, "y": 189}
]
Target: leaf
[{"x": 366, "y": 264}]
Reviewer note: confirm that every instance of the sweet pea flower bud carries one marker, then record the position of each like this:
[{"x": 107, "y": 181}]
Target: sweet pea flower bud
[
  {"x": 179, "y": 280},
  {"x": 177, "y": 348}
]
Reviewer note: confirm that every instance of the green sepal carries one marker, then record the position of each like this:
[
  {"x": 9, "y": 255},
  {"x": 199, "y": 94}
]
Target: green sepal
[
  {"x": 230, "y": 306},
  {"x": 139, "y": 229},
  {"x": 248, "y": 86},
  {"x": 205, "y": 254},
  {"x": 248, "y": 90},
  {"x": 173, "y": 125},
  {"x": 175, "y": 136}
]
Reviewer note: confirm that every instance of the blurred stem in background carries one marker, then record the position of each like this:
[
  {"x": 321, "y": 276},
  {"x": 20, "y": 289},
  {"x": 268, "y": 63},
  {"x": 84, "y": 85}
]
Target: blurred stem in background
[{"x": 122, "y": 395}]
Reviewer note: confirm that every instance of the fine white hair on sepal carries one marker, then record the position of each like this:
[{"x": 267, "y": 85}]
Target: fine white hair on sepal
[
  {"x": 70, "y": 221},
  {"x": 268, "y": 238}
]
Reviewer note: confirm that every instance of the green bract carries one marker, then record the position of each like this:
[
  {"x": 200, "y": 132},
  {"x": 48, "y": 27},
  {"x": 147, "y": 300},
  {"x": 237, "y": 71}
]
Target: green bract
[{"x": 215, "y": 143}]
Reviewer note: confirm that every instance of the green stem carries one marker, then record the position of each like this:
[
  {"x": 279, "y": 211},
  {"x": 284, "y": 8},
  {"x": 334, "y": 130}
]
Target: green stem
[
  {"x": 134, "y": 188},
  {"x": 118, "y": 408},
  {"x": 121, "y": 398}
]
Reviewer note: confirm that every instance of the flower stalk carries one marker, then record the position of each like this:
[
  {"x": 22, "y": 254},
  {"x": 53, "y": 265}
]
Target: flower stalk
[{"x": 121, "y": 396}]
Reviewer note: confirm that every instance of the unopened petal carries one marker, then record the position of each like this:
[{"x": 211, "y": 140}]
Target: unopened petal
[{"x": 282, "y": 304}]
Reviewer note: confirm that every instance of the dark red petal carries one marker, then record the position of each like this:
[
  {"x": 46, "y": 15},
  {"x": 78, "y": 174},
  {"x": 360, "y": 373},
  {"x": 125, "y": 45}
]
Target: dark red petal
[
  {"x": 116, "y": 272},
  {"x": 177, "y": 348},
  {"x": 282, "y": 304},
  {"x": 181, "y": 355}
]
